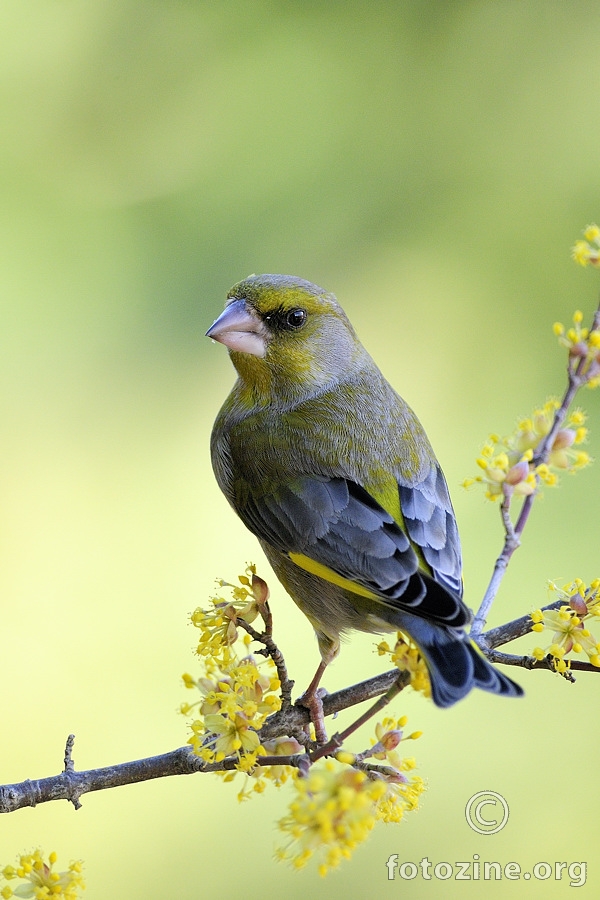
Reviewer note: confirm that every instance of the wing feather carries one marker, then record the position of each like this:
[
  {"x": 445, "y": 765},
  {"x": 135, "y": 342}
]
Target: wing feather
[
  {"x": 339, "y": 525},
  {"x": 431, "y": 525}
]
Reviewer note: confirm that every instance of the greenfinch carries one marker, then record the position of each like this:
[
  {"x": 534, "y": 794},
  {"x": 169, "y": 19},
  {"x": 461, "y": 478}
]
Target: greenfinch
[{"x": 332, "y": 471}]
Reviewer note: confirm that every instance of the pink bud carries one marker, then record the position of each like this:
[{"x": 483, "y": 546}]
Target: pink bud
[
  {"x": 391, "y": 739},
  {"x": 517, "y": 473},
  {"x": 564, "y": 438},
  {"x": 283, "y": 746},
  {"x": 577, "y": 603}
]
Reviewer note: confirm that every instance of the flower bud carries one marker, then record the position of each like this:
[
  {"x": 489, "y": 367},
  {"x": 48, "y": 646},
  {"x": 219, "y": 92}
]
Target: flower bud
[
  {"x": 517, "y": 473},
  {"x": 283, "y": 746},
  {"x": 260, "y": 589},
  {"x": 391, "y": 739},
  {"x": 577, "y": 603},
  {"x": 564, "y": 438}
]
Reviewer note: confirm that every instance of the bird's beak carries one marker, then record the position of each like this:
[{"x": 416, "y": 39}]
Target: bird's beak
[{"x": 239, "y": 328}]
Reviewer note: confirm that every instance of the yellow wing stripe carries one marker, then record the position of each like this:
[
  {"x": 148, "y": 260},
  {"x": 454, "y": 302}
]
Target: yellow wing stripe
[
  {"x": 389, "y": 498},
  {"x": 387, "y": 495},
  {"x": 327, "y": 574}
]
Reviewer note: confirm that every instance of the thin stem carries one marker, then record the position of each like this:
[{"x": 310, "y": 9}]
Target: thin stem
[
  {"x": 291, "y": 721},
  {"x": 530, "y": 662},
  {"x": 511, "y": 542},
  {"x": 273, "y": 651},
  {"x": 576, "y": 378},
  {"x": 545, "y": 445},
  {"x": 336, "y": 741},
  {"x": 296, "y": 760}
]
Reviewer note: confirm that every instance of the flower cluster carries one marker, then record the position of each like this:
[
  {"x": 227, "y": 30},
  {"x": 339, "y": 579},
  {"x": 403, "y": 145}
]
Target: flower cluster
[
  {"x": 507, "y": 463},
  {"x": 569, "y": 623},
  {"x": 406, "y": 656},
  {"x": 337, "y": 804},
  {"x": 39, "y": 880},
  {"x": 236, "y": 695},
  {"x": 218, "y": 626},
  {"x": 586, "y": 252},
  {"x": 583, "y": 345}
]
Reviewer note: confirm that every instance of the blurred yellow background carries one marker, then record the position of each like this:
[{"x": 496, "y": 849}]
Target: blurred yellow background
[{"x": 431, "y": 163}]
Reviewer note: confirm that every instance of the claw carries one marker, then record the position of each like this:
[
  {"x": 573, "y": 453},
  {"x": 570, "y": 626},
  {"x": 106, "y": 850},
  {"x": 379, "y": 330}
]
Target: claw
[{"x": 312, "y": 700}]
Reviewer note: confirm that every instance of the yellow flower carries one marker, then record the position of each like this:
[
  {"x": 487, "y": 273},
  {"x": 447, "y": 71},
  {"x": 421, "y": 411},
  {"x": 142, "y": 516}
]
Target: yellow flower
[
  {"x": 40, "y": 880},
  {"x": 236, "y": 695},
  {"x": 506, "y": 463},
  {"x": 581, "y": 252},
  {"x": 587, "y": 251},
  {"x": 218, "y": 626},
  {"x": 231, "y": 735},
  {"x": 407, "y": 657},
  {"x": 583, "y": 345},
  {"x": 281, "y": 746},
  {"x": 234, "y": 709},
  {"x": 335, "y": 809},
  {"x": 569, "y": 624},
  {"x": 389, "y": 735}
]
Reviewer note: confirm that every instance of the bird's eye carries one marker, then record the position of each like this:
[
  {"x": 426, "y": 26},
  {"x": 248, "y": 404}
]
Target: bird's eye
[{"x": 295, "y": 318}]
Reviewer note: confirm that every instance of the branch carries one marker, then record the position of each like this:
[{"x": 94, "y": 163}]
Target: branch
[
  {"x": 288, "y": 721},
  {"x": 510, "y": 631},
  {"x": 71, "y": 785},
  {"x": 530, "y": 662},
  {"x": 511, "y": 542},
  {"x": 271, "y": 650},
  {"x": 291, "y": 720}
]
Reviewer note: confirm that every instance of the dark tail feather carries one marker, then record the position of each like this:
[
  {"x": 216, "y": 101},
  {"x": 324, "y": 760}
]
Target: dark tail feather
[
  {"x": 456, "y": 666},
  {"x": 491, "y": 679}
]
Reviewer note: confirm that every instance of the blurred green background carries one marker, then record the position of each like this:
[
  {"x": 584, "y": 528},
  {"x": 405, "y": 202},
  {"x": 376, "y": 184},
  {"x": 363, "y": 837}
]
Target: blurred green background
[{"x": 429, "y": 162}]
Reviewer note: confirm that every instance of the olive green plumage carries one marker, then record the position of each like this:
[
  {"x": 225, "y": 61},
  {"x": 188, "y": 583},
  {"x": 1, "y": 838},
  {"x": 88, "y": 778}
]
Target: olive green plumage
[{"x": 333, "y": 472}]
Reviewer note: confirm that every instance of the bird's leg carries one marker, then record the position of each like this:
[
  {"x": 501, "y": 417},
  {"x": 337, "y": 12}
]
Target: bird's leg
[{"x": 312, "y": 699}]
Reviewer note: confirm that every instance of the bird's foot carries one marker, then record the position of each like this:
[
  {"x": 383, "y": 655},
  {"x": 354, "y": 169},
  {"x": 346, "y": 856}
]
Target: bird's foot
[{"x": 313, "y": 702}]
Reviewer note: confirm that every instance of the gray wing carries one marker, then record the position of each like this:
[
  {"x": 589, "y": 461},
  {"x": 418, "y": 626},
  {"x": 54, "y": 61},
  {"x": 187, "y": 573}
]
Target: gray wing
[
  {"x": 431, "y": 525},
  {"x": 338, "y": 524}
]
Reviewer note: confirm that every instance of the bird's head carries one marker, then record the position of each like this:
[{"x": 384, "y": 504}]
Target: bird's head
[{"x": 286, "y": 336}]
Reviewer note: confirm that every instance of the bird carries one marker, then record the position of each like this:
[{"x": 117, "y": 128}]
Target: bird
[{"x": 334, "y": 474}]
